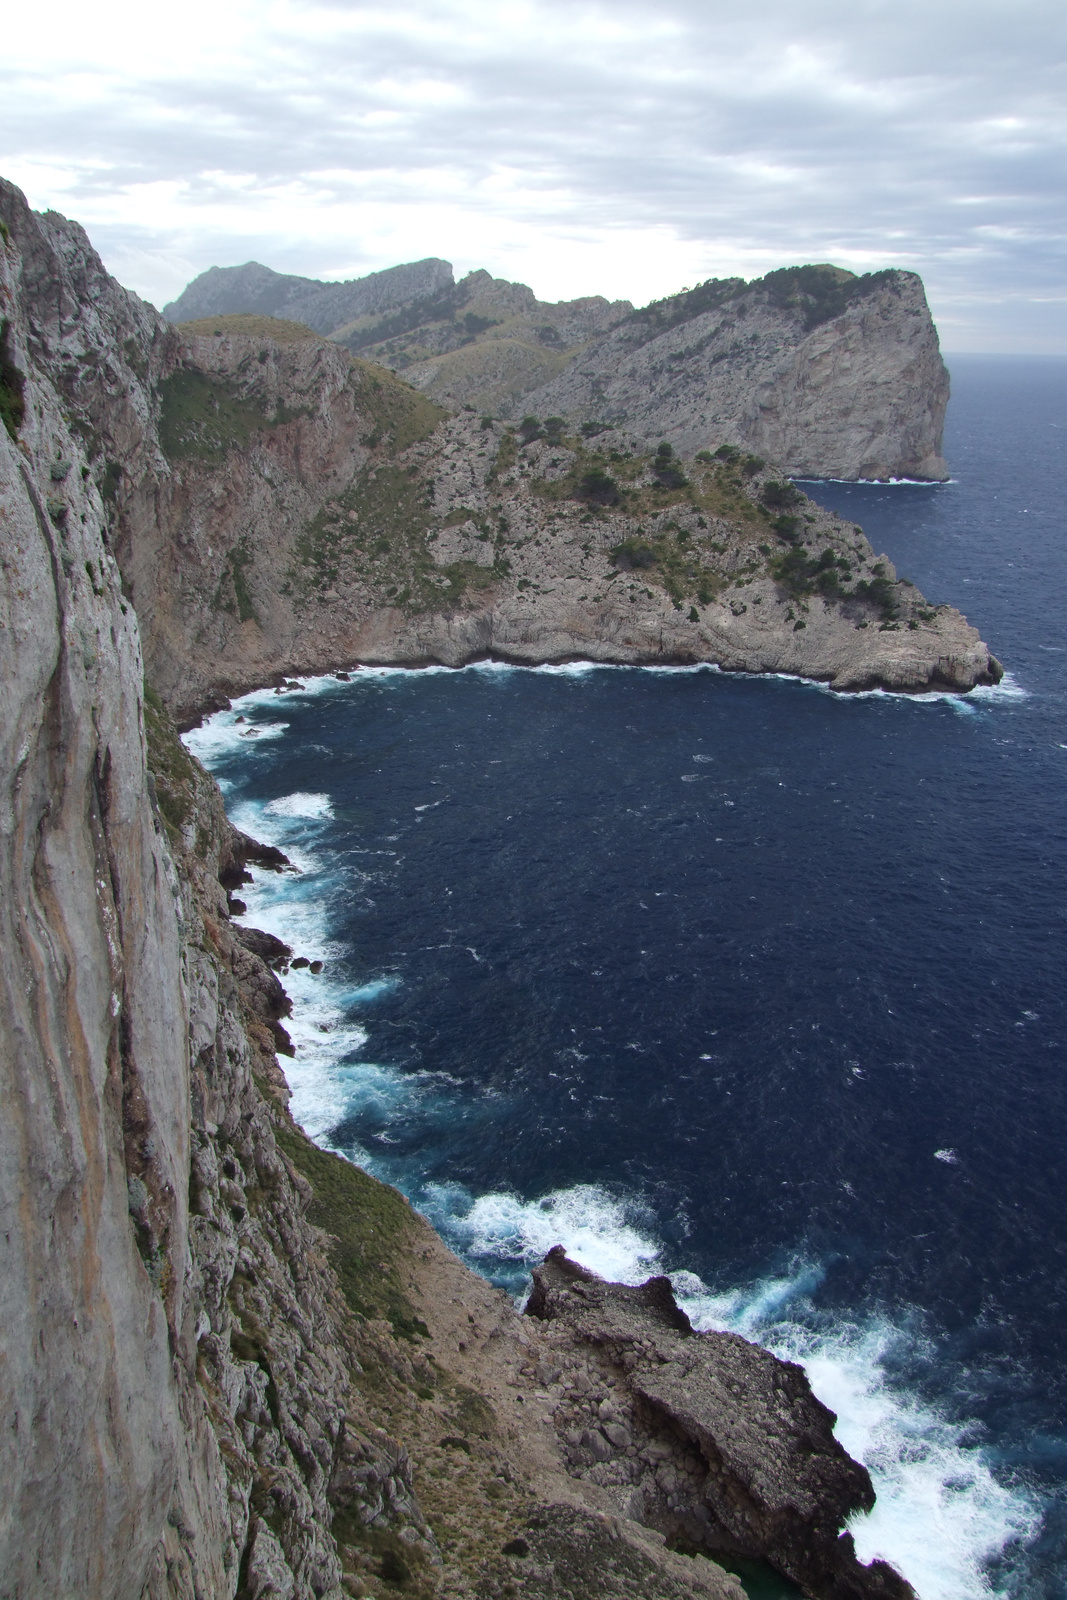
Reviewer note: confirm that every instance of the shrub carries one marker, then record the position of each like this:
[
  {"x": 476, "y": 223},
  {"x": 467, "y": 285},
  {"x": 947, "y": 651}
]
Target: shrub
[
  {"x": 780, "y": 496},
  {"x": 12, "y": 386},
  {"x": 727, "y": 452},
  {"x": 632, "y": 555},
  {"x": 554, "y": 427},
  {"x": 598, "y": 488},
  {"x": 529, "y": 430},
  {"x": 667, "y": 469}
]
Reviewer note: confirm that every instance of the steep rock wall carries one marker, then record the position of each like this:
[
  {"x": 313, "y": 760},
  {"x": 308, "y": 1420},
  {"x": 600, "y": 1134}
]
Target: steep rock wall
[
  {"x": 176, "y": 1357},
  {"x": 861, "y": 395}
]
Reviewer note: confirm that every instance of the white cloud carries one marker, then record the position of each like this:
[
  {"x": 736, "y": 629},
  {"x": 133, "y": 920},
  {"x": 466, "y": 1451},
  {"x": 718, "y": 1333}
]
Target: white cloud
[{"x": 622, "y": 148}]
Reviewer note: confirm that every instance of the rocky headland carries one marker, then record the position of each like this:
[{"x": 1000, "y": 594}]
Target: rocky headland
[
  {"x": 232, "y": 1364},
  {"x": 276, "y": 504},
  {"x": 825, "y": 373}
]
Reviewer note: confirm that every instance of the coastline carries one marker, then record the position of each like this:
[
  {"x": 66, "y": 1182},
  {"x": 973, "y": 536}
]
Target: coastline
[{"x": 845, "y": 1362}]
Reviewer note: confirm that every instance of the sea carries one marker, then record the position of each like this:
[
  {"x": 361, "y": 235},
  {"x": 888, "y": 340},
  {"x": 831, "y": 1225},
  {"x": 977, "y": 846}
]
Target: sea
[{"x": 737, "y": 979}]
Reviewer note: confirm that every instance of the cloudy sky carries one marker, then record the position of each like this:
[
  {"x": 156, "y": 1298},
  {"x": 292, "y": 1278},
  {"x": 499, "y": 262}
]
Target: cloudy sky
[{"x": 625, "y": 148}]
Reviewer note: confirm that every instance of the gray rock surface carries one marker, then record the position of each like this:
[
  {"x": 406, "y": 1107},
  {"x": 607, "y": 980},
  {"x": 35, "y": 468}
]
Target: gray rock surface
[
  {"x": 322, "y": 306},
  {"x": 726, "y": 1446},
  {"x": 860, "y": 395}
]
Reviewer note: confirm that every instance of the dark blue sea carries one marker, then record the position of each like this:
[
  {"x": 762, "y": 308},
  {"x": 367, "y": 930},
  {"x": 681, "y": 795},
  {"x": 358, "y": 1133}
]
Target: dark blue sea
[{"x": 737, "y": 979}]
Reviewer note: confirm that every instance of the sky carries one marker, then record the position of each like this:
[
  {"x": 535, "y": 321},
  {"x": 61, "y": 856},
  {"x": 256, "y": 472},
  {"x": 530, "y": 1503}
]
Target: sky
[{"x": 628, "y": 148}]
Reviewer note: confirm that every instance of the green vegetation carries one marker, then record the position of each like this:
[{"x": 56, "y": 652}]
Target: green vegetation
[
  {"x": 820, "y": 293},
  {"x": 370, "y": 1227},
  {"x": 598, "y": 488},
  {"x": 667, "y": 469},
  {"x": 169, "y": 764},
  {"x": 815, "y": 293},
  {"x": 232, "y": 592},
  {"x": 780, "y": 496},
  {"x": 204, "y": 417},
  {"x": 506, "y": 457},
  {"x": 633, "y": 555},
  {"x": 109, "y": 483},
  {"x": 402, "y": 416},
  {"x": 801, "y": 574},
  {"x": 12, "y": 385}
]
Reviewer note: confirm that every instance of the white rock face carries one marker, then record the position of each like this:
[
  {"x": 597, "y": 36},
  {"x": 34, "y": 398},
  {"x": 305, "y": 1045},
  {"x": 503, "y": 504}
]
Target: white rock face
[{"x": 464, "y": 543}]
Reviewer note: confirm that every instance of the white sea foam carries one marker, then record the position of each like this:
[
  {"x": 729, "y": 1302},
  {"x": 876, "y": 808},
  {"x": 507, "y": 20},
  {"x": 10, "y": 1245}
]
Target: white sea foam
[
  {"x": 594, "y": 1227},
  {"x": 309, "y": 806},
  {"x": 940, "y": 1513}
]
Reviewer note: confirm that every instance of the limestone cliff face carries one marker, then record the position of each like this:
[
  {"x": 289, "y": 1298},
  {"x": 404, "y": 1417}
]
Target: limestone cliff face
[
  {"x": 94, "y": 1140},
  {"x": 861, "y": 394},
  {"x": 824, "y": 373}
]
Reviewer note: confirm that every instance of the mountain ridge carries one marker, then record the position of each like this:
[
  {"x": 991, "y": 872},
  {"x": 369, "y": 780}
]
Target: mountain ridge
[{"x": 829, "y": 373}]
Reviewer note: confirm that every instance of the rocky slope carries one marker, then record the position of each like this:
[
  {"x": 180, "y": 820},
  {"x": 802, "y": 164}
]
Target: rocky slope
[
  {"x": 306, "y": 512},
  {"x": 825, "y": 373},
  {"x": 322, "y": 306}
]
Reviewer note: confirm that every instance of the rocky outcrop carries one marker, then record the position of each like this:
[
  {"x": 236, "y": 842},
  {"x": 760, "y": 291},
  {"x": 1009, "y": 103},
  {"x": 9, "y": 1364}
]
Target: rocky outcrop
[
  {"x": 714, "y": 1441},
  {"x": 845, "y": 384}
]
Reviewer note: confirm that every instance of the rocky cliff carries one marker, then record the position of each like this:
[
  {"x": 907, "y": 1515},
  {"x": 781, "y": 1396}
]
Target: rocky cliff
[
  {"x": 231, "y": 1364},
  {"x": 276, "y": 505},
  {"x": 304, "y": 511},
  {"x": 825, "y": 373}
]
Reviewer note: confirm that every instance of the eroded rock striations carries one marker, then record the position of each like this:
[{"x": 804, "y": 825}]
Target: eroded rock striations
[{"x": 231, "y": 1364}]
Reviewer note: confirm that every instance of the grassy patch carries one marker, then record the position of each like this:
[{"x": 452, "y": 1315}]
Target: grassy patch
[
  {"x": 170, "y": 765},
  {"x": 204, "y": 417},
  {"x": 371, "y": 1225},
  {"x": 401, "y": 415},
  {"x": 12, "y": 386}
]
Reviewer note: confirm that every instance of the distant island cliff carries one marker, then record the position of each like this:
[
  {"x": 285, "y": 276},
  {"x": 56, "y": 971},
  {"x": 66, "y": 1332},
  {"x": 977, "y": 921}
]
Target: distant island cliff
[{"x": 232, "y": 1365}]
